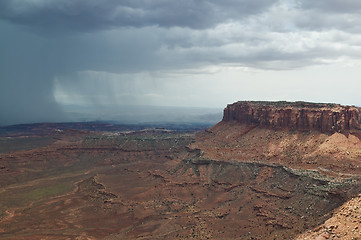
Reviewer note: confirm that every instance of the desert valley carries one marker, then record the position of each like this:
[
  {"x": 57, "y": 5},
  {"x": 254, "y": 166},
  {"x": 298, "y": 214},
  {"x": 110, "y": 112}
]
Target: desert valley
[{"x": 268, "y": 170}]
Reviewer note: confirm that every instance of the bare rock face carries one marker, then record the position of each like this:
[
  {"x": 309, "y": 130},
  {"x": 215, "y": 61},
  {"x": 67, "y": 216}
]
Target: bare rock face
[{"x": 301, "y": 116}]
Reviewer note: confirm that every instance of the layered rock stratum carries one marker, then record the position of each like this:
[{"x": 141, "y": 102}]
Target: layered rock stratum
[{"x": 302, "y": 116}]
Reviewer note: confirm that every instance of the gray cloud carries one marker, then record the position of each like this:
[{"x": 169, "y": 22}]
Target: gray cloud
[
  {"x": 334, "y": 6},
  {"x": 138, "y": 51},
  {"x": 326, "y": 15},
  {"x": 85, "y": 15}
]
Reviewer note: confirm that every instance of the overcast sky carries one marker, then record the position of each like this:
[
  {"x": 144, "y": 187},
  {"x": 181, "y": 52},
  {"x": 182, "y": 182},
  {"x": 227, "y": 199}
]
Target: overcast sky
[{"x": 55, "y": 53}]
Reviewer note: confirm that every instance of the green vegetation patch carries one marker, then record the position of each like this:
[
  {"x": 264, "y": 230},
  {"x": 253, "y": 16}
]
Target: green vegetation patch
[{"x": 48, "y": 191}]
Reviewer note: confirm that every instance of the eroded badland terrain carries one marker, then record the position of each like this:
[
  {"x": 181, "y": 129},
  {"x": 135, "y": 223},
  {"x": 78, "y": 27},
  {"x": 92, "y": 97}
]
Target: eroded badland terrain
[{"x": 266, "y": 171}]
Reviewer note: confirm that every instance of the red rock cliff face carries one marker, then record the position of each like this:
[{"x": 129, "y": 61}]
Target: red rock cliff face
[{"x": 295, "y": 115}]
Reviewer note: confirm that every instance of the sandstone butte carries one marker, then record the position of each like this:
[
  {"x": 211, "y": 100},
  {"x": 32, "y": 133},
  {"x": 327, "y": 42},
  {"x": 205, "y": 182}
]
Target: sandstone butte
[{"x": 303, "y": 116}]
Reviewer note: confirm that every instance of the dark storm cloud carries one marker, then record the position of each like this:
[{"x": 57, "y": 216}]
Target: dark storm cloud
[
  {"x": 26, "y": 73},
  {"x": 49, "y": 44},
  {"x": 62, "y": 15}
]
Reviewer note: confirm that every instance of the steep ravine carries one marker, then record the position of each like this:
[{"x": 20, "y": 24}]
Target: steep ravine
[{"x": 265, "y": 201}]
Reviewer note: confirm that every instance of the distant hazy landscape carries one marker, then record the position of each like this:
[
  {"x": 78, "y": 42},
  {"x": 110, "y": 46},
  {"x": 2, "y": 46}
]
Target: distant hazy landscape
[{"x": 143, "y": 114}]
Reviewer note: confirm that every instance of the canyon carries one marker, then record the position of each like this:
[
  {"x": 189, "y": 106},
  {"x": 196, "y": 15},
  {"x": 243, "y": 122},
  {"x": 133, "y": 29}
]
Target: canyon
[{"x": 268, "y": 170}]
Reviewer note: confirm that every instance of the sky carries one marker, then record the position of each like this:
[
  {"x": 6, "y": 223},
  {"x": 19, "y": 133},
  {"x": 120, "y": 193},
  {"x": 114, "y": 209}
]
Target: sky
[{"x": 57, "y": 54}]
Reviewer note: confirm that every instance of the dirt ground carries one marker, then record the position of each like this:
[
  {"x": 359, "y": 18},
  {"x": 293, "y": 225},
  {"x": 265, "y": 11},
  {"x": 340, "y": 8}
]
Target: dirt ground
[{"x": 230, "y": 182}]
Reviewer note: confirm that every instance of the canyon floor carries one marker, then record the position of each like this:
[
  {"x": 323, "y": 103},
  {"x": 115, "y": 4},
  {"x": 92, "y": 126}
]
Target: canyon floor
[{"x": 232, "y": 181}]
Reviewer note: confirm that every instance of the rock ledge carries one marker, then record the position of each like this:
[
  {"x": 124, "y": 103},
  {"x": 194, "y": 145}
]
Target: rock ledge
[{"x": 303, "y": 116}]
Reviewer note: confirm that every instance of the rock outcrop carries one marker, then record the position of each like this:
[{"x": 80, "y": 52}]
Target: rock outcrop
[{"x": 301, "y": 116}]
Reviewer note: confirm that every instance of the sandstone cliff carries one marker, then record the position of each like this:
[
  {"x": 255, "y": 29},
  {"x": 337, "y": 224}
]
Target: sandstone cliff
[{"x": 295, "y": 115}]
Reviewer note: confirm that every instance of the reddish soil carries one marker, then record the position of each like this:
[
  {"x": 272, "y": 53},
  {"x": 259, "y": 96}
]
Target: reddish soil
[
  {"x": 333, "y": 154},
  {"x": 231, "y": 182},
  {"x": 344, "y": 224}
]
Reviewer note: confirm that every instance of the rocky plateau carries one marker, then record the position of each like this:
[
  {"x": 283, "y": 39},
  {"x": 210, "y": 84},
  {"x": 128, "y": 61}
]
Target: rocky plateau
[{"x": 295, "y": 116}]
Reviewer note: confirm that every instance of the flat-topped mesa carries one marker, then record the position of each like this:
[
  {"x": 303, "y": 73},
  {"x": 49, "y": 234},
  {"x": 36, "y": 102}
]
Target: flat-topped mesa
[{"x": 301, "y": 116}]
